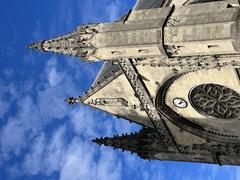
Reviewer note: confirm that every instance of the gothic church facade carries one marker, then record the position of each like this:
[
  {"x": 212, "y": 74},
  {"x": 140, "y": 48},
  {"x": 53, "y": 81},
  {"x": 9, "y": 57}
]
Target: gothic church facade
[{"x": 171, "y": 66}]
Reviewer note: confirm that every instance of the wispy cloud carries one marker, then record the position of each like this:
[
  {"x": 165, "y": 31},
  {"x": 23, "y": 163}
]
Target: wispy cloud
[
  {"x": 8, "y": 94},
  {"x": 25, "y": 124},
  {"x": 79, "y": 161},
  {"x": 46, "y": 155}
]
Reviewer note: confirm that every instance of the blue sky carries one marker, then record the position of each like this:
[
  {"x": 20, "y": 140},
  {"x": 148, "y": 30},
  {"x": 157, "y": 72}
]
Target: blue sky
[{"x": 43, "y": 138}]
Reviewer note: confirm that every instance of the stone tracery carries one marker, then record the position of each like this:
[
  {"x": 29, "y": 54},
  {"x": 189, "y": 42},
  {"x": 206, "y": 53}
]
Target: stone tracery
[{"x": 216, "y": 101}]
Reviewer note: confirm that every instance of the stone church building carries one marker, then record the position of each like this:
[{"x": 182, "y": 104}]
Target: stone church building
[{"x": 172, "y": 67}]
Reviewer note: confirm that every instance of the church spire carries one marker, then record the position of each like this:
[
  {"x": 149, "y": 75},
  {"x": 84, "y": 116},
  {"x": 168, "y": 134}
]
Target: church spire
[
  {"x": 77, "y": 43},
  {"x": 145, "y": 143}
]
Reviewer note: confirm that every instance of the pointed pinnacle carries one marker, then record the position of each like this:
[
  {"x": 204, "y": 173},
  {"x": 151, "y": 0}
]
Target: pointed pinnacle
[
  {"x": 95, "y": 141},
  {"x": 36, "y": 46},
  {"x": 101, "y": 141}
]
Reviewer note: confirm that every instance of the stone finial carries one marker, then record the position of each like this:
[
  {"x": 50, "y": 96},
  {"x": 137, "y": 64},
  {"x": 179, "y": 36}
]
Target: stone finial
[
  {"x": 70, "y": 100},
  {"x": 73, "y": 100}
]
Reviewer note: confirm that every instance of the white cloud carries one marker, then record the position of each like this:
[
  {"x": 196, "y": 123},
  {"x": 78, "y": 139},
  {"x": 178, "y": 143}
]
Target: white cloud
[
  {"x": 46, "y": 155},
  {"x": 84, "y": 122},
  {"x": 79, "y": 162},
  {"x": 8, "y": 94},
  {"x": 55, "y": 151},
  {"x": 12, "y": 138},
  {"x": 110, "y": 165},
  {"x": 53, "y": 75},
  {"x": 4, "y": 107},
  {"x": 50, "y": 100},
  {"x": 33, "y": 161},
  {"x": 19, "y": 129},
  {"x": 8, "y": 72},
  {"x": 82, "y": 163}
]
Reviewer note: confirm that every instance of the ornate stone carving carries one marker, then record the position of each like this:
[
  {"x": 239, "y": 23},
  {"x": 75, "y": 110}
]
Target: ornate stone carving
[
  {"x": 142, "y": 94},
  {"x": 172, "y": 50},
  {"x": 77, "y": 43},
  {"x": 88, "y": 29},
  {"x": 213, "y": 148},
  {"x": 216, "y": 101},
  {"x": 193, "y": 63},
  {"x": 173, "y": 21},
  {"x": 109, "y": 102}
]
